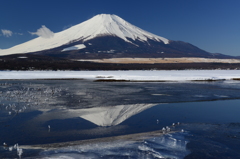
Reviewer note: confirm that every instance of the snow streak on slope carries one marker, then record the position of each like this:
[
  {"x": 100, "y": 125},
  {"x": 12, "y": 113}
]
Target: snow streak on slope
[
  {"x": 103, "y": 24},
  {"x": 75, "y": 47}
]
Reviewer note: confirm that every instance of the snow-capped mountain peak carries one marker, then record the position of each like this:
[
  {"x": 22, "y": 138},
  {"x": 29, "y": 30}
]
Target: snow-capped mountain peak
[
  {"x": 99, "y": 25},
  {"x": 106, "y": 24}
]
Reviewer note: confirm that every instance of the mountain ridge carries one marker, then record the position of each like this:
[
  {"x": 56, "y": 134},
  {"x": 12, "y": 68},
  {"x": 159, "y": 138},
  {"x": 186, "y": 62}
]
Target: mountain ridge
[
  {"x": 108, "y": 36},
  {"x": 87, "y": 30}
]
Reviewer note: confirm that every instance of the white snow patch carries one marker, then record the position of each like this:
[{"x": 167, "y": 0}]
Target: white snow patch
[{"x": 76, "y": 47}]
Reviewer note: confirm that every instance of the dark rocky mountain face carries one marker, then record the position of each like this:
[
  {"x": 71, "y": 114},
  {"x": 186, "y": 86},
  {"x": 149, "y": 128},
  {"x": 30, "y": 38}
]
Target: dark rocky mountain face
[{"x": 115, "y": 47}]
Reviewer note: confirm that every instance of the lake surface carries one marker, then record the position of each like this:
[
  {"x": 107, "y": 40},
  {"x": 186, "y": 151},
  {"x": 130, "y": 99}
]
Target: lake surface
[{"x": 119, "y": 119}]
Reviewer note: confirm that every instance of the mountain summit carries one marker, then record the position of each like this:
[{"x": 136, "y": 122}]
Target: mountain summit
[
  {"x": 112, "y": 25},
  {"x": 105, "y": 36}
]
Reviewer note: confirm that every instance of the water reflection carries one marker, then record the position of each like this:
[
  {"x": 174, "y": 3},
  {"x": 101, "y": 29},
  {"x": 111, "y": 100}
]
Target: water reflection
[
  {"x": 111, "y": 116},
  {"x": 102, "y": 116},
  {"x": 73, "y": 94},
  {"x": 43, "y": 111}
]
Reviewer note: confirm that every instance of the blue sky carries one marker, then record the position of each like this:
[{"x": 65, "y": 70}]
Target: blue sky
[{"x": 212, "y": 25}]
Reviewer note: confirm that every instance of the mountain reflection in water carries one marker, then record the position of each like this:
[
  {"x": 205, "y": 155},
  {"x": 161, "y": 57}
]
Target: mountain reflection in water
[{"x": 53, "y": 111}]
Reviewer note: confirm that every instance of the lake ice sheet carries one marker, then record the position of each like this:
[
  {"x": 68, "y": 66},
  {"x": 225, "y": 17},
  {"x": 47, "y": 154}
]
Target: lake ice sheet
[
  {"x": 152, "y": 75},
  {"x": 71, "y": 109}
]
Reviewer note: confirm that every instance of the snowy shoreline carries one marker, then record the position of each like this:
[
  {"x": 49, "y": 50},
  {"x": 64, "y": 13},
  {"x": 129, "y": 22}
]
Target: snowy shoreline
[{"x": 173, "y": 75}]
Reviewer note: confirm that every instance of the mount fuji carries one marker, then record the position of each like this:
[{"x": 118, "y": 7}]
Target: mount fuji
[{"x": 107, "y": 36}]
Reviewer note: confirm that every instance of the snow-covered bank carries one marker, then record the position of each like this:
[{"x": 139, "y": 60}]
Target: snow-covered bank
[{"x": 174, "y": 75}]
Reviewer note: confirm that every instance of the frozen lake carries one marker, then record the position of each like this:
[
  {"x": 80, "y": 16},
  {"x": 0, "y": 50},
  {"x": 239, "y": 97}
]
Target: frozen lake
[
  {"x": 83, "y": 118},
  {"x": 143, "y": 75}
]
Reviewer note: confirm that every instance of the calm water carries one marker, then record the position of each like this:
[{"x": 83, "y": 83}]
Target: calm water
[{"x": 34, "y": 112}]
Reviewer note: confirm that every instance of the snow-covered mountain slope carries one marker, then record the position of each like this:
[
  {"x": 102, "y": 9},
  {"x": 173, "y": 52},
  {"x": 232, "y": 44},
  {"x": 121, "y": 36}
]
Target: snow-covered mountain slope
[{"x": 99, "y": 25}]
